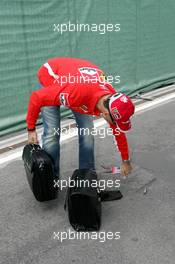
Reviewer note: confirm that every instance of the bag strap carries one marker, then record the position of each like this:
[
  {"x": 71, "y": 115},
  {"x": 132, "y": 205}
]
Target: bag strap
[
  {"x": 105, "y": 196},
  {"x": 110, "y": 195}
]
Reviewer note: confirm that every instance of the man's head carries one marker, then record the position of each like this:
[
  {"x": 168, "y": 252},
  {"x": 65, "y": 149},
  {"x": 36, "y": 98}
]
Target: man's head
[{"x": 118, "y": 108}]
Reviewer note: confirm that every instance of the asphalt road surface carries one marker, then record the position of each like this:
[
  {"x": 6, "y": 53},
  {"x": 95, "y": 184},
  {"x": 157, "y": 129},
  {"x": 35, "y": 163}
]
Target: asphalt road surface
[{"x": 145, "y": 217}]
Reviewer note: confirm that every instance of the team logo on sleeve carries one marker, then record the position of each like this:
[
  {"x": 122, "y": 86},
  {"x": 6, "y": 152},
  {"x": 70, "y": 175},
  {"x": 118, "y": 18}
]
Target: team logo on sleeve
[
  {"x": 89, "y": 74},
  {"x": 64, "y": 99},
  {"x": 88, "y": 71}
]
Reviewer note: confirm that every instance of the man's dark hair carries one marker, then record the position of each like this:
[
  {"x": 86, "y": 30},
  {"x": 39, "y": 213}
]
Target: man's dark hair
[{"x": 106, "y": 105}]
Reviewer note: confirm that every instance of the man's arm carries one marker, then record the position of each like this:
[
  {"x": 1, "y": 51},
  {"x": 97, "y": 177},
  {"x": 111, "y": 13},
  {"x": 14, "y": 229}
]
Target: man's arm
[
  {"x": 47, "y": 96},
  {"x": 122, "y": 144}
]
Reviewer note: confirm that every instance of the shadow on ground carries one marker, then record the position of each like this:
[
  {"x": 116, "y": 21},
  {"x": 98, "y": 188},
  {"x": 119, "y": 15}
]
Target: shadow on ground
[{"x": 146, "y": 221}]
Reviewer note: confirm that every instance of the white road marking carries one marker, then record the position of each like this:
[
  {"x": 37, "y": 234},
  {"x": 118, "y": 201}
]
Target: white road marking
[{"x": 98, "y": 123}]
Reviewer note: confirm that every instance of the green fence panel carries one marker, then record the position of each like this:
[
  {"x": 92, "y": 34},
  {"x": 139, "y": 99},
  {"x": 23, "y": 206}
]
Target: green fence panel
[{"x": 140, "y": 54}]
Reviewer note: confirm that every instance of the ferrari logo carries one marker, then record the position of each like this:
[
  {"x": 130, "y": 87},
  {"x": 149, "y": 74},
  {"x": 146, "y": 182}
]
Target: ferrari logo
[{"x": 115, "y": 113}]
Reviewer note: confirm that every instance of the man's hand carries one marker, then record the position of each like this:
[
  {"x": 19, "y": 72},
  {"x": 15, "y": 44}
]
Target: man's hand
[
  {"x": 125, "y": 168},
  {"x": 32, "y": 137}
]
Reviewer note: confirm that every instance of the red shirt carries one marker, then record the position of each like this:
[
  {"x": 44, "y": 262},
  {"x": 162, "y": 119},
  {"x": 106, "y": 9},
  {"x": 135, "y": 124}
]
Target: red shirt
[{"x": 75, "y": 83}]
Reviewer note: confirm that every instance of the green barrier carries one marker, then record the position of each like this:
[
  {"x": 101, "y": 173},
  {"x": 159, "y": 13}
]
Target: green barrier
[{"x": 140, "y": 49}]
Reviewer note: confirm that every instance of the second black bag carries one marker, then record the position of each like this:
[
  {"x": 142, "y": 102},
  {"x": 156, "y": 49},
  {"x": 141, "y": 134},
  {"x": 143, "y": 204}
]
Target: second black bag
[
  {"x": 83, "y": 201},
  {"x": 84, "y": 198}
]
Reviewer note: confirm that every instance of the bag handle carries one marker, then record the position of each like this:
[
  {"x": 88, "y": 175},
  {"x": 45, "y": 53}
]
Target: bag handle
[{"x": 35, "y": 147}]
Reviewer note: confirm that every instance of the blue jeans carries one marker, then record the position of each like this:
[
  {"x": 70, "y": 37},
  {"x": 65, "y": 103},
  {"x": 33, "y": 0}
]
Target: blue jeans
[{"x": 51, "y": 140}]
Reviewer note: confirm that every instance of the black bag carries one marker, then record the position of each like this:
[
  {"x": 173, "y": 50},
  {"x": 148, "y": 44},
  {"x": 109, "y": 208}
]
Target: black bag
[
  {"x": 40, "y": 174},
  {"x": 84, "y": 201}
]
